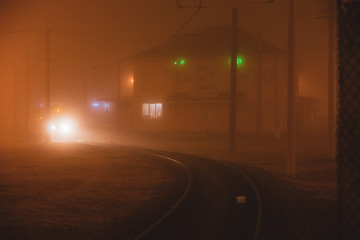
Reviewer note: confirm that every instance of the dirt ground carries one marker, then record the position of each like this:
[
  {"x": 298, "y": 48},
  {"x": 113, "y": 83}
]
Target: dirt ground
[
  {"x": 66, "y": 191},
  {"x": 303, "y": 207}
]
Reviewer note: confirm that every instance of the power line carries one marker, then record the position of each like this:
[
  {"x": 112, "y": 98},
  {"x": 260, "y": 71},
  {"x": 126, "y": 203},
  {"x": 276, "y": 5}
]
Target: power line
[{"x": 187, "y": 21}]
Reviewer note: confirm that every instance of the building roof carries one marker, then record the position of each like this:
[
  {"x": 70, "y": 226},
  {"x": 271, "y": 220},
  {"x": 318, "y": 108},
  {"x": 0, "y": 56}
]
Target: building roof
[{"x": 214, "y": 41}]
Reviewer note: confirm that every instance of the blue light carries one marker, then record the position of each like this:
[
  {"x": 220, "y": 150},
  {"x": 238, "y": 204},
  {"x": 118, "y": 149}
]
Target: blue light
[{"x": 96, "y": 104}]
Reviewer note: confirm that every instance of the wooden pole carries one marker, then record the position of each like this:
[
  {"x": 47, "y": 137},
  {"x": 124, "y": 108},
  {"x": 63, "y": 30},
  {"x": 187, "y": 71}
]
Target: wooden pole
[
  {"x": 331, "y": 82},
  {"x": 47, "y": 87},
  {"x": 259, "y": 107},
  {"x": 233, "y": 85},
  {"x": 291, "y": 126}
]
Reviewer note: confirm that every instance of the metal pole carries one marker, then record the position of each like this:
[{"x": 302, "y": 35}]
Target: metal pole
[
  {"x": 119, "y": 83},
  {"x": 331, "y": 82},
  {"x": 118, "y": 102},
  {"x": 27, "y": 96},
  {"x": 85, "y": 104},
  {"x": 259, "y": 89},
  {"x": 291, "y": 148},
  {"x": 233, "y": 87},
  {"x": 47, "y": 86},
  {"x": 16, "y": 117},
  {"x": 276, "y": 87}
]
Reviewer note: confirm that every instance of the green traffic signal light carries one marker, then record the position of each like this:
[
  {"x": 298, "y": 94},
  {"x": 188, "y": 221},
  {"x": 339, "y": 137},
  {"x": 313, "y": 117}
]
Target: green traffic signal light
[
  {"x": 179, "y": 62},
  {"x": 239, "y": 61}
]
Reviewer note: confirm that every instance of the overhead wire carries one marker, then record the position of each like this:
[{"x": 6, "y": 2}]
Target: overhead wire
[
  {"x": 188, "y": 20},
  {"x": 81, "y": 36},
  {"x": 172, "y": 36}
]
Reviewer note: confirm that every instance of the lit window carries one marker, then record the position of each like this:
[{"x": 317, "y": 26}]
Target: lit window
[
  {"x": 96, "y": 104},
  {"x": 152, "y": 110},
  {"x": 146, "y": 111},
  {"x": 158, "y": 110},
  {"x": 106, "y": 105}
]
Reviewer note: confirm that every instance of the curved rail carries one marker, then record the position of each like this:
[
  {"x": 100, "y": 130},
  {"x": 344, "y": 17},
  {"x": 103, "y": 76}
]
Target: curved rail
[
  {"x": 172, "y": 209},
  {"x": 223, "y": 164},
  {"x": 258, "y": 198},
  {"x": 257, "y": 193}
]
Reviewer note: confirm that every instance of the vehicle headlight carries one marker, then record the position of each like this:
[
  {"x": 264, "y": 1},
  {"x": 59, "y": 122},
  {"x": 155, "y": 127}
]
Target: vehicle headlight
[
  {"x": 66, "y": 127},
  {"x": 61, "y": 126},
  {"x": 51, "y": 127}
]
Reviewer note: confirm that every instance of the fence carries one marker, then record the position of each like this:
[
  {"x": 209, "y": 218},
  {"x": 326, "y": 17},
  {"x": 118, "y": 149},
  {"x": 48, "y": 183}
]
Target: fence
[{"x": 348, "y": 134}]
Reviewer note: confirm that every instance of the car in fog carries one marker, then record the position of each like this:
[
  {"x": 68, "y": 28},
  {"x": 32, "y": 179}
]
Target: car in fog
[{"x": 63, "y": 128}]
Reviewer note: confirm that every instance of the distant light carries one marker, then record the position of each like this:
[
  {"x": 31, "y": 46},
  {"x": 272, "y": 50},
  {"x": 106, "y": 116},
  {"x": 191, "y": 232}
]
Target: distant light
[
  {"x": 152, "y": 110},
  {"x": 65, "y": 127},
  {"x": 61, "y": 125},
  {"x": 58, "y": 110},
  {"x": 96, "y": 104},
  {"x": 41, "y": 105},
  {"x": 106, "y": 105},
  {"x": 179, "y": 62},
  {"x": 239, "y": 60}
]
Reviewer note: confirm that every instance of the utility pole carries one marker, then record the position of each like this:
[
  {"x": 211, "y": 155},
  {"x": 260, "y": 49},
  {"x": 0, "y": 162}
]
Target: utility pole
[
  {"x": 27, "y": 94},
  {"x": 16, "y": 104},
  {"x": 118, "y": 106},
  {"x": 85, "y": 98},
  {"x": 276, "y": 87},
  {"x": 291, "y": 121},
  {"x": 331, "y": 82},
  {"x": 47, "y": 87},
  {"x": 233, "y": 85},
  {"x": 119, "y": 82},
  {"x": 259, "y": 106}
]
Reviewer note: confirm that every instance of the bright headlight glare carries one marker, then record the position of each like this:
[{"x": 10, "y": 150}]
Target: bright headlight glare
[
  {"x": 66, "y": 127},
  {"x": 51, "y": 127},
  {"x": 61, "y": 126}
]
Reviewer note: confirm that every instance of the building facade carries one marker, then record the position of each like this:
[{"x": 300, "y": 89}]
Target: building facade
[{"x": 183, "y": 85}]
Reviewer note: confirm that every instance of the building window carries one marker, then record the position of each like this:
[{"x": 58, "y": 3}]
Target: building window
[
  {"x": 152, "y": 110},
  {"x": 146, "y": 111}
]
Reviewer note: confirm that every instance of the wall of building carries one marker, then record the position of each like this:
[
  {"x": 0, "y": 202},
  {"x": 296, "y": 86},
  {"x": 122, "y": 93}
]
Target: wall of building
[{"x": 203, "y": 78}]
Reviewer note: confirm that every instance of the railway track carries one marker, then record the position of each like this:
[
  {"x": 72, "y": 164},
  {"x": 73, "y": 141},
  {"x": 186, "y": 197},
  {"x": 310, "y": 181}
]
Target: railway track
[
  {"x": 178, "y": 202},
  {"x": 218, "y": 202}
]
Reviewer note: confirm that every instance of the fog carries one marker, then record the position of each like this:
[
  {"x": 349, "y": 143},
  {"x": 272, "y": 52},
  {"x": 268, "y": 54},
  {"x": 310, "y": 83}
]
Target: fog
[
  {"x": 111, "y": 68},
  {"x": 81, "y": 79}
]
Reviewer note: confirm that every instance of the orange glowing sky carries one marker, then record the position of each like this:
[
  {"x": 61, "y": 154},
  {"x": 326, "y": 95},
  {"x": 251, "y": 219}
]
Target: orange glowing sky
[{"x": 88, "y": 38}]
